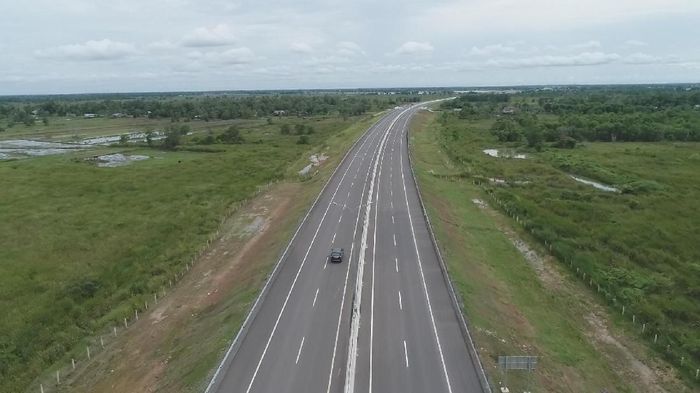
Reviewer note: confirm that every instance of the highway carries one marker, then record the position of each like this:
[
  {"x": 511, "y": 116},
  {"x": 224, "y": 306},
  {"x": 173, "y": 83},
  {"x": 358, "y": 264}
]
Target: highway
[{"x": 380, "y": 321}]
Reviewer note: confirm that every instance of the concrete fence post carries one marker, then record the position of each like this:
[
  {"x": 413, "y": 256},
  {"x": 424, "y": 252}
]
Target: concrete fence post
[
  {"x": 145, "y": 304},
  {"x": 697, "y": 373},
  {"x": 41, "y": 388},
  {"x": 58, "y": 377},
  {"x": 623, "y": 309},
  {"x": 170, "y": 282},
  {"x": 644, "y": 327},
  {"x": 656, "y": 337},
  {"x": 155, "y": 298},
  {"x": 72, "y": 361},
  {"x": 634, "y": 318},
  {"x": 102, "y": 342},
  {"x": 87, "y": 349},
  {"x": 682, "y": 360},
  {"x": 114, "y": 329},
  {"x": 126, "y": 324},
  {"x": 136, "y": 314}
]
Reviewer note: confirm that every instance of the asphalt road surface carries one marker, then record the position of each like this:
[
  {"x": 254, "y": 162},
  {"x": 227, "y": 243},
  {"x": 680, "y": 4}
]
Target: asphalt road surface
[{"x": 309, "y": 333}]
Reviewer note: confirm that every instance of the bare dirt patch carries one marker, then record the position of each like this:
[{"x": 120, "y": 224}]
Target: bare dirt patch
[{"x": 139, "y": 360}]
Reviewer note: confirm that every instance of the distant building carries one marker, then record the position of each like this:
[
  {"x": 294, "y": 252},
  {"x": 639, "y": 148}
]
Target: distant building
[
  {"x": 118, "y": 115},
  {"x": 89, "y": 115},
  {"x": 509, "y": 110},
  {"x": 279, "y": 113}
]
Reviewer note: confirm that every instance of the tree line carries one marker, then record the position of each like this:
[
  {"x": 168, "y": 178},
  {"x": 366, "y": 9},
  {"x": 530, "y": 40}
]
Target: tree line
[
  {"x": 198, "y": 107},
  {"x": 566, "y": 117}
]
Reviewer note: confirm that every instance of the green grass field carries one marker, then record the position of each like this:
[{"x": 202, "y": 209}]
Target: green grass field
[
  {"x": 81, "y": 245},
  {"x": 514, "y": 309}
]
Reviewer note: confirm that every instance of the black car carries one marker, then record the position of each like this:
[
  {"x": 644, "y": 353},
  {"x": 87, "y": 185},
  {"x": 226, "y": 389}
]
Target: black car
[{"x": 336, "y": 255}]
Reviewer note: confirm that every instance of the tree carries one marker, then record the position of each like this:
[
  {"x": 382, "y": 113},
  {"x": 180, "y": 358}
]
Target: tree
[
  {"x": 299, "y": 129},
  {"x": 172, "y": 139},
  {"x": 231, "y": 135},
  {"x": 506, "y": 131},
  {"x": 285, "y": 129},
  {"x": 45, "y": 120},
  {"x": 534, "y": 138},
  {"x": 208, "y": 140},
  {"x": 123, "y": 139},
  {"x": 310, "y": 129},
  {"x": 303, "y": 140},
  {"x": 149, "y": 138},
  {"x": 565, "y": 142}
]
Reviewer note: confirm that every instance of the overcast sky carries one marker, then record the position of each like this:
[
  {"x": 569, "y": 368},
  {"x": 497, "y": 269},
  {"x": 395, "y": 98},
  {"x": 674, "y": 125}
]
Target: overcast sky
[{"x": 74, "y": 46}]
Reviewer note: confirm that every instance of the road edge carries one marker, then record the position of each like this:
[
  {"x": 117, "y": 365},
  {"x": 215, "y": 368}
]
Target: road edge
[
  {"x": 252, "y": 313},
  {"x": 456, "y": 304}
]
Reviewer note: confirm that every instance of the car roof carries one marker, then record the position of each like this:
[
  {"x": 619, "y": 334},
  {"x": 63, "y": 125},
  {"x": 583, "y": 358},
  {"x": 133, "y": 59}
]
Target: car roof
[{"x": 336, "y": 250}]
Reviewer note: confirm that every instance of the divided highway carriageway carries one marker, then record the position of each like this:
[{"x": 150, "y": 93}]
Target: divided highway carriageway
[{"x": 382, "y": 320}]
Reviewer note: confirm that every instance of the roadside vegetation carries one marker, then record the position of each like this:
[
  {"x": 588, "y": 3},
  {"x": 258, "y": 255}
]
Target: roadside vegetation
[
  {"x": 83, "y": 245},
  {"x": 637, "y": 240}
]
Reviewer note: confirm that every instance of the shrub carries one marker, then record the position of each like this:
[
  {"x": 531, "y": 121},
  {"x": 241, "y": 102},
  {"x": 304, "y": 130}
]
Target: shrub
[{"x": 566, "y": 142}]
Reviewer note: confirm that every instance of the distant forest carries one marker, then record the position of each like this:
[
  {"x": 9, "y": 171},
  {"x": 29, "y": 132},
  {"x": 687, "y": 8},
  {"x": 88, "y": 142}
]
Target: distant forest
[
  {"x": 566, "y": 116},
  {"x": 28, "y": 110}
]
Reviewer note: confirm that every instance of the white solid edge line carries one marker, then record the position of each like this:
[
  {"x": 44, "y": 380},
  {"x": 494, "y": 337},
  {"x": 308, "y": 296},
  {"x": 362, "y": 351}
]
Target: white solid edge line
[
  {"x": 315, "y": 296},
  {"x": 420, "y": 268},
  {"x": 400, "y": 302}
]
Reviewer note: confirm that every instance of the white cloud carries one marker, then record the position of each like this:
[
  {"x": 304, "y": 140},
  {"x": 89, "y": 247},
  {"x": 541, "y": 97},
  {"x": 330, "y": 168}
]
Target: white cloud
[
  {"x": 301, "y": 47},
  {"x": 645, "y": 58},
  {"x": 635, "y": 43},
  {"x": 91, "y": 50},
  {"x": 349, "y": 49},
  {"x": 451, "y": 42},
  {"x": 219, "y": 35},
  {"x": 233, "y": 56},
  {"x": 162, "y": 46},
  {"x": 413, "y": 48},
  {"x": 581, "y": 59},
  {"x": 519, "y": 16},
  {"x": 489, "y": 50},
  {"x": 587, "y": 46}
]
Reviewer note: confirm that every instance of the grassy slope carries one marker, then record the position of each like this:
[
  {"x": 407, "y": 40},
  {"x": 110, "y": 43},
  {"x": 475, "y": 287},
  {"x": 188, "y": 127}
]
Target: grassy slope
[
  {"x": 87, "y": 243},
  {"x": 640, "y": 246},
  {"x": 511, "y": 310}
]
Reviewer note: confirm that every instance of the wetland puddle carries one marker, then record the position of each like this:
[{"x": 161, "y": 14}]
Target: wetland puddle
[
  {"x": 504, "y": 154},
  {"x": 600, "y": 186}
]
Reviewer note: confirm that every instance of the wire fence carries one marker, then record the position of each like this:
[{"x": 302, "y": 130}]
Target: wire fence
[
  {"x": 663, "y": 343},
  {"x": 80, "y": 356}
]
